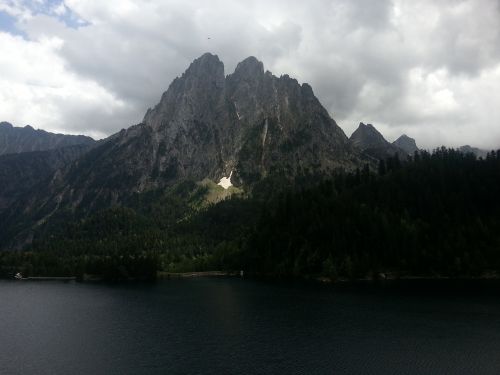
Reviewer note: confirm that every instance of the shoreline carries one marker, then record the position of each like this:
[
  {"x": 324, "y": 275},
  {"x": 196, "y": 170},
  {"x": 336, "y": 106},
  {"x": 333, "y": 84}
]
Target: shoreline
[
  {"x": 187, "y": 275},
  {"x": 380, "y": 278},
  {"x": 48, "y": 278}
]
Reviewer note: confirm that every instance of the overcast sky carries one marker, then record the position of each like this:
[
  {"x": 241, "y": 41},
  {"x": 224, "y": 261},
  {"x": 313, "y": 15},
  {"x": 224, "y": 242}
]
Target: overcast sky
[{"x": 430, "y": 69}]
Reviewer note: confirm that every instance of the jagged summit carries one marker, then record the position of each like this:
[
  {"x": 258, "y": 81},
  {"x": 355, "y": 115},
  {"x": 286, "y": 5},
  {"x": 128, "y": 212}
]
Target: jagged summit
[
  {"x": 407, "y": 144},
  {"x": 369, "y": 140},
  {"x": 366, "y": 136},
  {"x": 250, "y": 68},
  {"x": 189, "y": 97},
  {"x": 216, "y": 118},
  {"x": 205, "y": 65}
]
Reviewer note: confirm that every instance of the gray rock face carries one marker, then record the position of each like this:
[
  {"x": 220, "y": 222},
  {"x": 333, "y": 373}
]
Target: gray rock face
[
  {"x": 407, "y": 144},
  {"x": 207, "y": 125},
  {"x": 369, "y": 140},
  {"x": 15, "y": 140}
]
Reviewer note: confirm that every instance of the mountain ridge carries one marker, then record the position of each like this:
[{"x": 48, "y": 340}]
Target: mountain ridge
[{"x": 15, "y": 140}]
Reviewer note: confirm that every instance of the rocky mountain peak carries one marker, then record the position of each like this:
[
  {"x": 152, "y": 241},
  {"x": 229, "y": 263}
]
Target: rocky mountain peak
[
  {"x": 206, "y": 72},
  {"x": 190, "y": 97},
  {"x": 209, "y": 126},
  {"x": 366, "y": 136},
  {"x": 369, "y": 140},
  {"x": 205, "y": 66},
  {"x": 406, "y": 143},
  {"x": 249, "y": 68},
  {"x": 307, "y": 90}
]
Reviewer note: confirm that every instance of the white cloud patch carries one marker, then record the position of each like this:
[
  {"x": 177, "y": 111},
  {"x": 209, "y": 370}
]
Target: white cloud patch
[
  {"x": 429, "y": 69},
  {"x": 36, "y": 88}
]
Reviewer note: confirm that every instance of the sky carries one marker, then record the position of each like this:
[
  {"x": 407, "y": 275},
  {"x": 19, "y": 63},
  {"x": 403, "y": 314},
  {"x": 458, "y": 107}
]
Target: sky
[{"x": 428, "y": 69}]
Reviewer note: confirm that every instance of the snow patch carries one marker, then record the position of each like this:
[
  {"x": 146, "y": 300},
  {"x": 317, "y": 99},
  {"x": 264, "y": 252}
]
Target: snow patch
[
  {"x": 236, "y": 109},
  {"x": 225, "y": 182}
]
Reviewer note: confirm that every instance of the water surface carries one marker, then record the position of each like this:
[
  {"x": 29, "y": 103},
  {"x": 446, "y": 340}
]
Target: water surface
[{"x": 233, "y": 326}]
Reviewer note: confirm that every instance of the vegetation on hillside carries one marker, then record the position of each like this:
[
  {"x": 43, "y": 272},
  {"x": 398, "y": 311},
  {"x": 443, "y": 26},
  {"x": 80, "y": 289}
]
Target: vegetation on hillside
[{"x": 436, "y": 214}]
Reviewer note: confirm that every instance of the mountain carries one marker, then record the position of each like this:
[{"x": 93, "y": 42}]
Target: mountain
[
  {"x": 236, "y": 129},
  {"x": 21, "y": 172},
  {"x": 473, "y": 150},
  {"x": 146, "y": 199},
  {"x": 15, "y": 139},
  {"x": 407, "y": 144},
  {"x": 369, "y": 140},
  {"x": 249, "y": 125}
]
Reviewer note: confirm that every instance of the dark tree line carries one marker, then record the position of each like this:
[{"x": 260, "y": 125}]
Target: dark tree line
[
  {"x": 438, "y": 214},
  {"x": 434, "y": 214}
]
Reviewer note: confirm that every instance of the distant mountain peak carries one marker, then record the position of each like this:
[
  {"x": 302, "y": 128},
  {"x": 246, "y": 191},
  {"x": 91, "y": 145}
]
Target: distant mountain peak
[
  {"x": 466, "y": 149},
  {"x": 25, "y": 139},
  {"x": 407, "y": 144},
  {"x": 369, "y": 140},
  {"x": 366, "y": 135}
]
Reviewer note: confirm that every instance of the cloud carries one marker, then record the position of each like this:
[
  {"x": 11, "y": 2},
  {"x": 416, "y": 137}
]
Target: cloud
[
  {"x": 37, "y": 88},
  {"x": 429, "y": 69}
]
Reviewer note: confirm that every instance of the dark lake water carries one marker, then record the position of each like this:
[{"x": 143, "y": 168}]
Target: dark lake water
[{"x": 233, "y": 326}]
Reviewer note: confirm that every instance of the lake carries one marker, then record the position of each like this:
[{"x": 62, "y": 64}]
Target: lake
[{"x": 234, "y": 326}]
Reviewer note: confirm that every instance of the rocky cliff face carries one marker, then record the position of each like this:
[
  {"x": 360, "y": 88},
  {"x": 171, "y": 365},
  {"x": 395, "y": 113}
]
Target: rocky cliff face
[
  {"x": 15, "y": 140},
  {"x": 206, "y": 125},
  {"x": 407, "y": 144},
  {"x": 248, "y": 123},
  {"x": 373, "y": 144}
]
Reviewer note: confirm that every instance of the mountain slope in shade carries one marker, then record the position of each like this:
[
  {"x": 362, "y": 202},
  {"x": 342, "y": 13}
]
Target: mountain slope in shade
[
  {"x": 15, "y": 139},
  {"x": 369, "y": 140},
  {"x": 22, "y": 172},
  {"x": 407, "y": 144}
]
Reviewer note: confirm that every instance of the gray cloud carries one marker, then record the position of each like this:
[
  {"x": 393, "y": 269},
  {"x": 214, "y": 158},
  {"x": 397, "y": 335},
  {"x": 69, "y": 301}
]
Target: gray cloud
[{"x": 429, "y": 69}]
